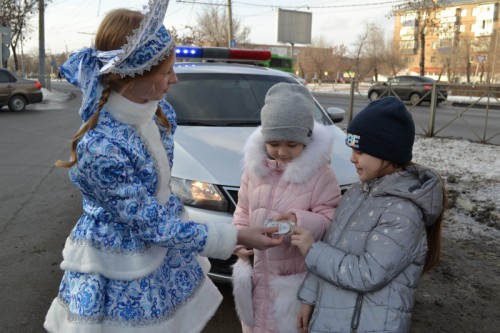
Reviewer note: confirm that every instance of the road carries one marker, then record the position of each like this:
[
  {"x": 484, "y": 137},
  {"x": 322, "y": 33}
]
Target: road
[
  {"x": 38, "y": 207},
  {"x": 451, "y": 120}
]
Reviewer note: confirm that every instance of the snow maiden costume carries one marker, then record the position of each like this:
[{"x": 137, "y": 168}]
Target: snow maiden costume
[{"x": 130, "y": 265}]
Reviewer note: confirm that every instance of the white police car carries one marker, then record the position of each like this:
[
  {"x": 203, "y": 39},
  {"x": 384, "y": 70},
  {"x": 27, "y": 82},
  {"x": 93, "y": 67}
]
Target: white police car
[{"x": 218, "y": 106}]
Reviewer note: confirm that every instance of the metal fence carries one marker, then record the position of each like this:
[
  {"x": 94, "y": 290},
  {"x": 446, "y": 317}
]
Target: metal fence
[{"x": 462, "y": 103}]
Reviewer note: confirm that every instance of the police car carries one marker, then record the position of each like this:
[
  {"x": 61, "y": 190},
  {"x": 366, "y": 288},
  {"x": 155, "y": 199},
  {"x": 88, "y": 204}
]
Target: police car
[{"x": 218, "y": 106}]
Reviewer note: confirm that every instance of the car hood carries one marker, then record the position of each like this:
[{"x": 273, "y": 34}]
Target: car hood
[{"x": 215, "y": 154}]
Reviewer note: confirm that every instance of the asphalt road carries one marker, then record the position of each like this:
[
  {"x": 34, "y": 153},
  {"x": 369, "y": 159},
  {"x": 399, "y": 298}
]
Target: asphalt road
[
  {"x": 451, "y": 120},
  {"x": 38, "y": 207}
]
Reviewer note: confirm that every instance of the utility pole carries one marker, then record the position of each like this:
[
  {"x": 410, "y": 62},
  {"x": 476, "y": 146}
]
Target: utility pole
[
  {"x": 229, "y": 24},
  {"x": 41, "y": 43}
]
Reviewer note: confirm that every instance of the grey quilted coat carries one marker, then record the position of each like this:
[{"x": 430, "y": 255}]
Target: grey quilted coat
[{"x": 364, "y": 273}]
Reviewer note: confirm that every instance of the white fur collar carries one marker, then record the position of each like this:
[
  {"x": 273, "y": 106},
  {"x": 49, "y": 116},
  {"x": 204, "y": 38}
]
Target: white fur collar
[
  {"x": 316, "y": 154},
  {"x": 128, "y": 112}
]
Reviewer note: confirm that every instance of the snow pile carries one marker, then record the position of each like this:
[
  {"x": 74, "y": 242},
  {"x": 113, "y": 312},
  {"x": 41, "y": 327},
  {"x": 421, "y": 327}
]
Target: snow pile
[{"x": 472, "y": 174}]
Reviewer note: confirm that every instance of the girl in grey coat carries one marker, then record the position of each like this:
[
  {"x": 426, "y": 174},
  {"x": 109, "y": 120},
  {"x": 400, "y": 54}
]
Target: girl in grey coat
[{"x": 385, "y": 232}]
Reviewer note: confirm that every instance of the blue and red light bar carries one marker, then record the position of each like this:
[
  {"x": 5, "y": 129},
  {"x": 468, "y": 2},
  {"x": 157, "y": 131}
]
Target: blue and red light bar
[{"x": 221, "y": 53}]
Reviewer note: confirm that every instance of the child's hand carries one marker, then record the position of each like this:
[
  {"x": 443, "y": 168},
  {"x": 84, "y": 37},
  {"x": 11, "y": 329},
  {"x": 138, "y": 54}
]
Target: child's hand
[
  {"x": 303, "y": 317},
  {"x": 290, "y": 217},
  {"x": 244, "y": 254},
  {"x": 256, "y": 237},
  {"x": 303, "y": 239}
]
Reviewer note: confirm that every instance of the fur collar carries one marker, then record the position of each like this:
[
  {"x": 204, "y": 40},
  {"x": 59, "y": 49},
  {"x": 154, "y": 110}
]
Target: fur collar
[
  {"x": 316, "y": 154},
  {"x": 129, "y": 112}
]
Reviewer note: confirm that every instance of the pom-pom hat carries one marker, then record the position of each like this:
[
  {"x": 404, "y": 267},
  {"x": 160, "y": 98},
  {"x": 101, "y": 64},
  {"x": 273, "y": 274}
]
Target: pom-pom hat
[
  {"x": 383, "y": 129},
  {"x": 288, "y": 114}
]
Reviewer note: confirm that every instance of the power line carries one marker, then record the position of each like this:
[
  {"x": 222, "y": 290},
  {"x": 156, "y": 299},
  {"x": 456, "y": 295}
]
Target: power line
[
  {"x": 296, "y": 7},
  {"x": 323, "y": 6}
]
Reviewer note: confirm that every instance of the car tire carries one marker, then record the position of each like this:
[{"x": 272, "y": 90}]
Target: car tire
[
  {"x": 415, "y": 99},
  {"x": 373, "y": 95},
  {"x": 17, "y": 103}
]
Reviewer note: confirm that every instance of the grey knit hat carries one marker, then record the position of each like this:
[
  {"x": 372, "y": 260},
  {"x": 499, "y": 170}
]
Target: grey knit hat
[
  {"x": 384, "y": 129},
  {"x": 288, "y": 114}
]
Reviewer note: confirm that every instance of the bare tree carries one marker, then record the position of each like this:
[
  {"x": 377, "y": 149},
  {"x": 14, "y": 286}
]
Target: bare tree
[
  {"x": 212, "y": 27},
  {"x": 392, "y": 59},
  {"x": 360, "y": 64},
  {"x": 16, "y": 15},
  {"x": 373, "y": 48},
  {"x": 317, "y": 58},
  {"x": 425, "y": 11}
]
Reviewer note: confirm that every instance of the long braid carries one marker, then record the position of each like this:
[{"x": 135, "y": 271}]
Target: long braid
[
  {"x": 162, "y": 119},
  {"x": 89, "y": 125}
]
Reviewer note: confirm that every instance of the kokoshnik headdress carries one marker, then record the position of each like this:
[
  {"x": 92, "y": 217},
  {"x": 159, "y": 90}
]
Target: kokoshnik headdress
[{"x": 149, "y": 45}]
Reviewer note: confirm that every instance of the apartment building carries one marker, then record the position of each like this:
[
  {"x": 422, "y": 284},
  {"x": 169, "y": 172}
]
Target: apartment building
[{"x": 460, "y": 40}]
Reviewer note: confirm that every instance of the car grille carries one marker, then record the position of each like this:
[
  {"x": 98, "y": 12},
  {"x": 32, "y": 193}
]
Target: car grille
[{"x": 231, "y": 194}]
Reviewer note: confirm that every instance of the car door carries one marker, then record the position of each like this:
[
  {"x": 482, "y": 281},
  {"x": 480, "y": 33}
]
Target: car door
[
  {"x": 6, "y": 86},
  {"x": 405, "y": 87}
]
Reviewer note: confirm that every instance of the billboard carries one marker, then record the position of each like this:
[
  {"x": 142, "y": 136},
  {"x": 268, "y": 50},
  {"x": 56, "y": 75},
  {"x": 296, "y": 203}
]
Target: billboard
[{"x": 294, "y": 26}]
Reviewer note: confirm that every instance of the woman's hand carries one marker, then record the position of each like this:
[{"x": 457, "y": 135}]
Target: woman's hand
[
  {"x": 304, "y": 316},
  {"x": 254, "y": 237},
  {"x": 303, "y": 239}
]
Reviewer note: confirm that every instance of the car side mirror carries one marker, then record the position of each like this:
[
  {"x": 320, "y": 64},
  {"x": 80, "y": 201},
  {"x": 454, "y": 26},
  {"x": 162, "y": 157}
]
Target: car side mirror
[{"x": 335, "y": 114}]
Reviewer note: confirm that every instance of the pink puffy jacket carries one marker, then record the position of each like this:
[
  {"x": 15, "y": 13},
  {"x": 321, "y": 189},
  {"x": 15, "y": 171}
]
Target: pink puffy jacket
[{"x": 306, "y": 186}]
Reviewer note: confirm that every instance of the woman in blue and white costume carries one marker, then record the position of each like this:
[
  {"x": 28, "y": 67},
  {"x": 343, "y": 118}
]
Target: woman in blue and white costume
[{"x": 131, "y": 263}]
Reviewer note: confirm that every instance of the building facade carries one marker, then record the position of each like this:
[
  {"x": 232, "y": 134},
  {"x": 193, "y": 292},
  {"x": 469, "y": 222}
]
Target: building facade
[{"x": 460, "y": 40}]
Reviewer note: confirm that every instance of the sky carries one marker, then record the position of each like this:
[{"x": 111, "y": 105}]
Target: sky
[{"x": 70, "y": 24}]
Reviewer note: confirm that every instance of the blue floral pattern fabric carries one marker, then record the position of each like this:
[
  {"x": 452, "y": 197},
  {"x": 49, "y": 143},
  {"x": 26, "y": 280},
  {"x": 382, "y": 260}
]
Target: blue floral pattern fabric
[{"x": 118, "y": 181}]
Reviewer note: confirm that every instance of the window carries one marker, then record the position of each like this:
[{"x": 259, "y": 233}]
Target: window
[
  {"x": 224, "y": 99},
  {"x": 5, "y": 77}
]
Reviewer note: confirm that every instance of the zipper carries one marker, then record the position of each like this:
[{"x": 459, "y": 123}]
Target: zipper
[{"x": 357, "y": 313}]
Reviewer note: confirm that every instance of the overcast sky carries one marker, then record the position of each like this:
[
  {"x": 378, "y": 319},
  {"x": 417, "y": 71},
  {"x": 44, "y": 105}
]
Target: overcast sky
[{"x": 70, "y": 24}]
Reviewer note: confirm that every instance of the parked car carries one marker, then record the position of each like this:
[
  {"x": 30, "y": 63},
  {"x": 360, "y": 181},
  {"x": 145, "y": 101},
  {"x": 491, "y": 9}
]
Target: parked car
[
  {"x": 218, "y": 107},
  {"x": 17, "y": 92},
  {"x": 415, "y": 89}
]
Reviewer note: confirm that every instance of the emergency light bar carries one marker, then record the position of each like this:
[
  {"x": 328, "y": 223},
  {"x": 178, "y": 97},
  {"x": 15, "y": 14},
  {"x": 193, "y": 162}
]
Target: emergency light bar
[{"x": 221, "y": 53}]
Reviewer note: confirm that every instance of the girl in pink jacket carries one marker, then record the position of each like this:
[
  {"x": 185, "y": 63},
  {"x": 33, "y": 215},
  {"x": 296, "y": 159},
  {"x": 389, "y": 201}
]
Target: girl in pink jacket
[{"x": 286, "y": 176}]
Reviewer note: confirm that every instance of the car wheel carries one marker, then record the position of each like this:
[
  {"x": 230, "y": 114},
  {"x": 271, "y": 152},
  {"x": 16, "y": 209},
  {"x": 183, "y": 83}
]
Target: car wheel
[
  {"x": 373, "y": 95},
  {"x": 17, "y": 103},
  {"x": 415, "y": 99}
]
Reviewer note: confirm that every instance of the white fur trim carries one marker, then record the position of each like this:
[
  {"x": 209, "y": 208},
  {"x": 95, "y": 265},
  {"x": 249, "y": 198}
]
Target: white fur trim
[
  {"x": 141, "y": 116},
  {"x": 151, "y": 135},
  {"x": 286, "y": 304},
  {"x": 316, "y": 154},
  {"x": 242, "y": 291},
  {"x": 204, "y": 263},
  {"x": 86, "y": 259},
  {"x": 191, "y": 317},
  {"x": 221, "y": 240}
]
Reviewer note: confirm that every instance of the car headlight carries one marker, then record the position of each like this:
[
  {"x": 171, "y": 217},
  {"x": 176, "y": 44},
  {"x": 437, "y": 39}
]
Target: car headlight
[{"x": 199, "y": 194}]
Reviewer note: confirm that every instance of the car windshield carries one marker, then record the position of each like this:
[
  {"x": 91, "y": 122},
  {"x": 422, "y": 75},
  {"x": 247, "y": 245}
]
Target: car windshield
[{"x": 223, "y": 99}]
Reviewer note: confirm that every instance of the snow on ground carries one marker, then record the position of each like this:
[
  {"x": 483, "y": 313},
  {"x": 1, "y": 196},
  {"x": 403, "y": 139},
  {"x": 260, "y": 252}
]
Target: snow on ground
[{"x": 472, "y": 174}]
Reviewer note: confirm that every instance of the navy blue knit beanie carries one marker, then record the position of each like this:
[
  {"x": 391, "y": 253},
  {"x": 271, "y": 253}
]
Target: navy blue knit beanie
[{"x": 383, "y": 129}]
